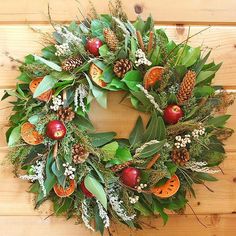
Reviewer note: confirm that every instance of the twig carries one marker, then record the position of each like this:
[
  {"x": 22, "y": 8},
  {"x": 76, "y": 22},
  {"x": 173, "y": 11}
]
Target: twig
[
  {"x": 208, "y": 188},
  {"x": 153, "y": 161},
  {"x": 150, "y": 43},
  {"x": 55, "y": 150},
  {"x": 196, "y": 216},
  {"x": 140, "y": 40}
]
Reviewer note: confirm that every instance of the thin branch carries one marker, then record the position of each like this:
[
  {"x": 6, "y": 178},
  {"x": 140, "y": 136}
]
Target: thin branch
[{"x": 196, "y": 216}]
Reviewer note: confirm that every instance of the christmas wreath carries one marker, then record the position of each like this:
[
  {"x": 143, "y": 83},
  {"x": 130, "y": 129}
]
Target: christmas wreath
[{"x": 95, "y": 176}]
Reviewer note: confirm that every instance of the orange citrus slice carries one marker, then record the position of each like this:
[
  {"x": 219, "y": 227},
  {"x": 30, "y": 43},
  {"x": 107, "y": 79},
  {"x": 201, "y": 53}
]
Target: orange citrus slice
[
  {"x": 65, "y": 192},
  {"x": 46, "y": 96},
  {"x": 168, "y": 189},
  {"x": 30, "y": 135},
  {"x": 153, "y": 75},
  {"x": 95, "y": 72}
]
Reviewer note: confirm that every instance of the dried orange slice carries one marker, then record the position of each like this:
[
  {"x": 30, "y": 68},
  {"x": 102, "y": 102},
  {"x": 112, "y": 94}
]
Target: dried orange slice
[
  {"x": 46, "y": 96},
  {"x": 95, "y": 72},
  {"x": 152, "y": 76},
  {"x": 168, "y": 189},
  {"x": 65, "y": 192},
  {"x": 30, "y": 135}
]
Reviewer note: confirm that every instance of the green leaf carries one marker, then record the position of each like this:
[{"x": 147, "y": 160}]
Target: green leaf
[
  {"x": 149, "y": 24},
  {"x": 96, "y": 189},
  {"x": 218, "y": 121},
  {"x": 191, "y": 57},
  {"x": 46, "y": 84},
  {"x": 159, "y": 209},
  {"x": 203, "y": 91},
  {"x": 201, "y": 62},
  {"x": 203, "y": 76},
  {"x": 14, "y": 136},
  {"x": 116, "y": 85},
  {"x": 83, "y": 123},
  {"x": 24, "y": 78},
  {"x": 50, "y": 64},
  {"x": 103, "y": 50},
  {"x": 205, "y": 176},
  {"x": 155, "y": 56},
  {"x": 64, "y": 206},
  {"x": 57, "y": 171},
  {"x": 142, "y": 208},
  {"x": 98, "y": 221},
  {"x": 63, "y": 76},
  {"x": 161, "y": 128},
  {"x": 122, "y": 155},
  {"x": 152, "y": 149},
  {"x": 172, "y": 99},
  {"x": 109, "y": 151},
  {"x": 97, "y": 27},
  {"x": 136, "y": 134},
  {"x": 139, "y": 24},
  {"x": 152, "y": 129},
  {"x": 100, "y": 139},
  {"x": 132, "y": 79}
]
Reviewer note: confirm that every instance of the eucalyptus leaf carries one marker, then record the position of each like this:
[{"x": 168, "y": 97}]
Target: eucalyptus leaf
[
  {"x": 203, "y": 76},
  {"x": 218, "y": 121},
  {"x": 46, "y": 84},
  {"x": 109, "y": 151},
  {"x": 50, "y": 64},
  {"x": 136, "y": 134},
  {"x": 34, "y": 119},
  {"x": 14, "y": 136},
  {"x": 191, "y": 57},
  {"x": 96, "y": 189},
  {"x": 100, "y": 139},
  {"x": 152, "y": 149}
]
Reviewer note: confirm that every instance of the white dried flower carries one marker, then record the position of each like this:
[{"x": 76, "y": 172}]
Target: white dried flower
[
  {"x": 200, "y": 166},
  {"x": 134, "y": 199},
  {"x": 150, "y": 98},
  {"x": 182, "y": 141},
  {"x": 141, "y": 58},
  {"x": 198, "y": 132},
  {"x": 63, "y": 49},
  {"x": 69, "y": 170},
  {"x": 103, "y": 214},
  {"x": 38, "y": 175},
  {"x": 85, "y": 215},
  {"x": 116, "y": 205},
  {"x": 80, "y": 93},
  {"x": 56, "y": 103}
]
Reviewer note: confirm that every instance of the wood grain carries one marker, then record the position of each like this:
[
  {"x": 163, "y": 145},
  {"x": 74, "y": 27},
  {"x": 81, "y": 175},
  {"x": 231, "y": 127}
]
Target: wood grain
[
  {"x": 197, "y": 12},
  {"x": 18, "y": 41}
]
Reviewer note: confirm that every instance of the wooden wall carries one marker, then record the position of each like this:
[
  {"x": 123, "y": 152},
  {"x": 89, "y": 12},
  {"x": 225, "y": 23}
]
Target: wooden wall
[{"x": 217, "y": 210}]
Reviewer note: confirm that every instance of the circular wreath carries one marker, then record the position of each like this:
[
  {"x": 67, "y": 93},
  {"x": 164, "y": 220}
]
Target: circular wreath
[{"x": 95, "y": 176}]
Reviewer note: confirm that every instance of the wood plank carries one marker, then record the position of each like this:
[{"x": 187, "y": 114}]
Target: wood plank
[
  {"x": 211, "y": 11},
  {"x": 18, "y": 41},
  {"x": 15, "y": 200},
  {"x": 217, "y": 225},
  {"x": 105, "y": 120}
]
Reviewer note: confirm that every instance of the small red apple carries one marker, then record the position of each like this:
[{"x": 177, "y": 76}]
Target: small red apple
[
  {"x": 93, "y": 46},
  {"x": 85, "y": 190},
  {"x": 172, "y": 114},
  {"x": 130, "y": 176},
  {"x": 55, "y": 130}
]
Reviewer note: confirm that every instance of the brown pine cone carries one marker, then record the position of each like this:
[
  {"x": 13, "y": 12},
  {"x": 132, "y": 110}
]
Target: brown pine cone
[
  {"x": 186, "y": 87},
  {"x": 66, "y": 114},
  {"x": 79, "y": 153},
  {"x": 180, "y": 156},
  {"x": 111, "y": 39},
  {"x": 120, "y": 167},
  {"x": 121, "y": 67},
  {"x": 71, "y": 63}
]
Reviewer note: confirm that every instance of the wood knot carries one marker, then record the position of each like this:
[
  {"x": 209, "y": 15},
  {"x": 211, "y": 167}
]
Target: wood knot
[
  {"x": 180, "y": 29},
  {"x": 138, "y": 8},
  {"x": 215, "y": 219},
  {"x": 234, "y": 45},
  {"x": 198, "y": 203},
  {"x": 234, "y": 179}
]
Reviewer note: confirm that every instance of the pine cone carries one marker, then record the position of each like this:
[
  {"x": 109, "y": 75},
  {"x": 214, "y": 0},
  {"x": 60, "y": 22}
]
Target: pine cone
[
  {"x": 186, "y": 87},
  {"x": 71, "y": 63},
  {"x": 66, "y": 114},
  {"x": 121, "y": 67},
  {"x": 120, "y": 167},
  {"x": 79, "y": 153},
  {"x": 180, "y": 156},
  {"x": 111, "y": 39}
]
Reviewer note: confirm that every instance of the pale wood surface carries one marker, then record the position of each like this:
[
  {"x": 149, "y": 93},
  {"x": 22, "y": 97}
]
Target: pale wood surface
[{"x": 216, "y": 210}]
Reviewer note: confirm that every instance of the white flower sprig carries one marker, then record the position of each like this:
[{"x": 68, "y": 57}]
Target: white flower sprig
[
  {"x": 56, "y": 103},
  {"x": 80, "y": 93},
  {"x": 116, "y": 205},
  {"x": 198, "y": 132},
  {"x": 182, "y": 142},
  {"x": 38, "y": 175},
  {"x": 150, "y": 98},
  {"x": 140, "y": 187},
  {"x": 141, "y": 58},
  {"x": 200, "y": 166},
  {"x": 103, "y": 214},
  {"x": 67, "y": 35},
  {"x": 62, "y": 50},
  {"x": 133, "y": 199},
  {"x": 69, "y": 170},
  {"x": 85, "y": 215}
]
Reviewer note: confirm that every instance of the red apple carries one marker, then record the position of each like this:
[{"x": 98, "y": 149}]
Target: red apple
[
  {"x": 172, "y": 114},
  {"x": 85, "y": 190},
  {"x": 130, "y": 176},
  {"x": 55, "y": 130},
  {"x": 93, "y": 46}
]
